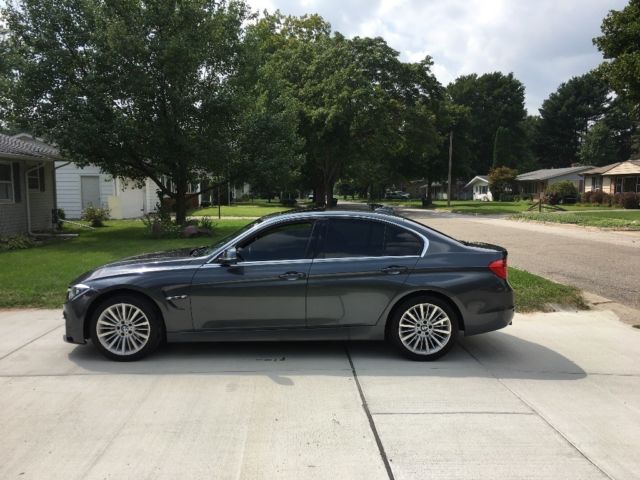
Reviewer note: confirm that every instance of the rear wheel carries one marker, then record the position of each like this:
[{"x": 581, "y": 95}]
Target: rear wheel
[
  {"x": 424, "y": 328},
  {"x": 126, "y": 328}
]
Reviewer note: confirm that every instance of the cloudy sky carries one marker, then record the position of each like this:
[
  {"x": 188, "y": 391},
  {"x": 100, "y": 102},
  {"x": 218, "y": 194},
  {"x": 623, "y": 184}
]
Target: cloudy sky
[{"x": 543, "y": 42}]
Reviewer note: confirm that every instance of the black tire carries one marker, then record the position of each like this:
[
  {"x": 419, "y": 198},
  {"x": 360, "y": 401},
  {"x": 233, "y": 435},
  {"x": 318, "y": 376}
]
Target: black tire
[
  {"x": 135, "y": 332},
  {"x": 424, "y": 333}
]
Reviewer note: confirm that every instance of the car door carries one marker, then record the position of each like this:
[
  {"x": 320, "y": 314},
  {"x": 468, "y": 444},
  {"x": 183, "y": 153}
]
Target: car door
[
  {"x": 266, "y": 288},
  {"x": 359, "y": 268}
]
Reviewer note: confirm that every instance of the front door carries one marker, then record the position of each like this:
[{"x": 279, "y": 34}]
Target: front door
[
  {"x": 360, "y": 267},
  {"x": 90, "y": 191},
  {"x": 266, "y": 288}
]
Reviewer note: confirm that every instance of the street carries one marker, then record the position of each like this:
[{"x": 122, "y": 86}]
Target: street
[
  {"x": 553, "y": 396},
  {"x": 601, "y": 262}
]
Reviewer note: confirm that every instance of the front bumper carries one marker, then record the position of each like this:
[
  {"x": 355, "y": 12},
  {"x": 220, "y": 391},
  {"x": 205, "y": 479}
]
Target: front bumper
[{"x": 74, "y": 313}]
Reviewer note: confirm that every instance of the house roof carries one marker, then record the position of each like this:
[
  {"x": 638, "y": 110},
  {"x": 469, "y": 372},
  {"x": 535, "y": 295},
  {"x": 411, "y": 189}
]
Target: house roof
[
  {"x": 547, "y": 173},
  {"x": 607, "y": 168},
  {"x": 482, "y": 178},
  {"x": 25, "y": 147}
]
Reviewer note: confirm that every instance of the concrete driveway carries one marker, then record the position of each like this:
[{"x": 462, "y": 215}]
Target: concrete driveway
[
  {"x": 554, "y": 396},
  {"x": 602, "y": 262}
]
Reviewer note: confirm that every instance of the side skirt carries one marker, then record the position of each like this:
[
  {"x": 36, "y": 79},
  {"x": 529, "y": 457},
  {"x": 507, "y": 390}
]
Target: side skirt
[{"x": 278, "y": 335}]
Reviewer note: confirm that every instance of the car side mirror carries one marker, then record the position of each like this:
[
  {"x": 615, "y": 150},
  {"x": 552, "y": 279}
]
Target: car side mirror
[{"x": 228, "y": 257}]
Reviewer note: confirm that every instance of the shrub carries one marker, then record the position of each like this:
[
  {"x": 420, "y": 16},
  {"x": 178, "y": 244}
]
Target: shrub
[
  {"x": 628, "y": 200},
  {"x": 506, "y": 197},
  {"x": 95, "y": 215},
  {"x": 16, "y": 242},
  {"x": 600, "y": 198},
  {"x": 206, "y": 223},
  {"x": 502, "y": 180},
  {"x": 160, "y": 225},
  {"x": 565, "y": 188},
  {"x": 205, "y": 204}
]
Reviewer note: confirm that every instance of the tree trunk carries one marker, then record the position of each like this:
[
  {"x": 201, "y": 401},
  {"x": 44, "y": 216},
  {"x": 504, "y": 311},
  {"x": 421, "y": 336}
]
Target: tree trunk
[
  {"x": 319, "y": 193},
  {"x": 429, "y": 199},
  {"x": 181, "y": 203}
]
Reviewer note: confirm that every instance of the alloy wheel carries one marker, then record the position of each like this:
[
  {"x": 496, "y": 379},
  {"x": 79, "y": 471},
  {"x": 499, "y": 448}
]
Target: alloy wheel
[
  {"x": 425, "y": 329},
  {"x": 123, "y": 329}
]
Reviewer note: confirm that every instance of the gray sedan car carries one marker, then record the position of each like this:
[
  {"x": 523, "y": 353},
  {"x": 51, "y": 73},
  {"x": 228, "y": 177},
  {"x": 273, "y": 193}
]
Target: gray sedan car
[{"x": 300, "y": 275}]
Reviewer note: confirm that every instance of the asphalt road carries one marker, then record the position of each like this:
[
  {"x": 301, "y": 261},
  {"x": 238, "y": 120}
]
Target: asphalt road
[
  {"x": 555, "y": 396},
  {"x": 604, "y": 263}
]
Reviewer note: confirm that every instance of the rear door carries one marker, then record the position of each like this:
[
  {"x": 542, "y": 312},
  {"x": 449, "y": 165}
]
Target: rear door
[{"x": 359, "y": 267}]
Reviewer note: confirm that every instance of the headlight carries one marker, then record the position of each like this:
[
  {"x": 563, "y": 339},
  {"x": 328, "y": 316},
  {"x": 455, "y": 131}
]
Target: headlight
[{"x": 76, "y": 290}]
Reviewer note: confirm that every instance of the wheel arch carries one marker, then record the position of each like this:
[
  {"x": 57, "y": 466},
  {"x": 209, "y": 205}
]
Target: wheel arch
[
  {"x": 106, "y": 295},
  {"x": 417, "y": 293}
]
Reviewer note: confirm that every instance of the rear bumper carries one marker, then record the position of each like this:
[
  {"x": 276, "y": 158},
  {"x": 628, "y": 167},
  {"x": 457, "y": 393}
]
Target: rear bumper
[{"x": 488, "y": 322}]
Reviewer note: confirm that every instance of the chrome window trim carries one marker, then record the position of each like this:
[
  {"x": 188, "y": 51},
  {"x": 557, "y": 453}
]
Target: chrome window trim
[
  {"x": 345, "y": 259},
  {"x": 314, "y": 217},
  {"x": 263, "y": 262}
]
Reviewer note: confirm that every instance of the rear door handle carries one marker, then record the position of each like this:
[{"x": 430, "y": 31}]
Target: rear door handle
[
  {"x": 292, "y": 275},
  {"x": 394, "y": 270}
]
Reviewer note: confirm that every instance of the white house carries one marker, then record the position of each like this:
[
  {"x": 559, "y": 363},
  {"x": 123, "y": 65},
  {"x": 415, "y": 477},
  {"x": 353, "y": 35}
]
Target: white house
[
  {"x": 81, "y": 187},
  {"x": 480, "y": 185}
]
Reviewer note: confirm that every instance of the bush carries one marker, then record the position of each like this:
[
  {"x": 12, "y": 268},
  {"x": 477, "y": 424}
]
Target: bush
[
  {"x": 628, "y": 200},
  {"x": 600, "y": 198},
  {"x": 205, "y": 204},
  {"x": 16, "y": 242},
  {"x": 565, "y": 188},
  {"x": 506, "y": 197},
  {"x": 206, "y": 223},
  {"x": 160, "y": 225},
  {"x": 96, "y": 216}
]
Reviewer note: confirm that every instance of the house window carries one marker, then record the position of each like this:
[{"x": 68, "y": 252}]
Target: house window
[
  {"x": 629, "y": 184},
  {"x": 596, "y": 183},
  {"x": 35, "y": 179},
  {"x": 6, "y": 183}
]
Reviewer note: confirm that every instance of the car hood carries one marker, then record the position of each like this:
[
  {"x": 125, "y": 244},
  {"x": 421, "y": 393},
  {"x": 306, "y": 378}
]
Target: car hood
[{"x": 142, "y": 263}]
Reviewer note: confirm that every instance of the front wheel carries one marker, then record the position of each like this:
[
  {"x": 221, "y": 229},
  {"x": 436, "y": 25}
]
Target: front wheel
[
  {"x": 126, "y": 328},
  {"x": 424, "y": 328}
]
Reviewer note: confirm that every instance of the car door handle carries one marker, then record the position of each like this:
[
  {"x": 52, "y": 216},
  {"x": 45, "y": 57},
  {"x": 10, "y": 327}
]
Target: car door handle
[
  {"x": 394, "y": 270},
  {"x": 292, "y": 275}
]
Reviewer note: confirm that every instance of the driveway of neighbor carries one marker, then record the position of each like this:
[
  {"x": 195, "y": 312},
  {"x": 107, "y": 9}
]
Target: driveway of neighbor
[
  {"x": 602, "y": 262},
  {"x": 553, "y": 396}
]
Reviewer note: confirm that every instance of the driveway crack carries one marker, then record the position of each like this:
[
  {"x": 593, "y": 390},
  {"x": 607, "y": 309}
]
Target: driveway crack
[{"x": 367, "y": 412}]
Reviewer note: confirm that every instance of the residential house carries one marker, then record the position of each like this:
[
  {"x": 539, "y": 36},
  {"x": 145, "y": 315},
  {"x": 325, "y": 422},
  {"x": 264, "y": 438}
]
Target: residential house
[
  {"x": 537, "y": 182},
  {"x": 618, "y": 177},
  {"x": 27, "y": 186},
  {"x": 80, "y": 187},
  {"x": 479, "y": 185}
]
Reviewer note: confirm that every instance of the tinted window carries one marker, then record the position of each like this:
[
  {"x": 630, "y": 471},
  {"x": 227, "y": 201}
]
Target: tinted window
[
  {"x": 361, "y": 238},
  {"x": 287, "y": 242}
]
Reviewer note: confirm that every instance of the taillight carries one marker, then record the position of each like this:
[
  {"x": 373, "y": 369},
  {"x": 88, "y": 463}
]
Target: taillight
[{"x": 499, "y": 268}]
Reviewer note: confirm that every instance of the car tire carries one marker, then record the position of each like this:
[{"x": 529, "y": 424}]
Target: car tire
[
  {"x": 423, "y": 328},
  {"x": 126, "y": 328}
]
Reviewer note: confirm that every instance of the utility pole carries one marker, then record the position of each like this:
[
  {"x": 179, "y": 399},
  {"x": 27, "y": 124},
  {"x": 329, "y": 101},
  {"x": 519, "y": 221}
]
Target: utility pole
[{"x": 449, "y": 178}]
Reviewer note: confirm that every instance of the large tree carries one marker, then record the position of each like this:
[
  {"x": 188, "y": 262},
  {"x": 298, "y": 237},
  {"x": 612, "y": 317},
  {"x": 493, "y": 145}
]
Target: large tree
[
  {"x": 565, "y": 118},
  {"x": 493, "y": 100},
  {"x": 139, "y": 88},
  {"x": 620, "y": 45}
]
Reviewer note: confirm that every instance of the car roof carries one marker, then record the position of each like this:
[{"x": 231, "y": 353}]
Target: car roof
[{"x": 386, "y": 214}]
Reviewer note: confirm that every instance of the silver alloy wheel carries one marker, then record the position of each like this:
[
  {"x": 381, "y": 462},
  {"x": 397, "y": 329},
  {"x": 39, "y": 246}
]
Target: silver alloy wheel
[
  {"x": 425, "y": 329},
  {"x": 123, "y": 329}
]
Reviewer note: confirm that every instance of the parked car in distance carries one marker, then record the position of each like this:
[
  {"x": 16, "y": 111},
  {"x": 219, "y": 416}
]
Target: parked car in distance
[
  {"x": 397, "y": 195},
  {"x": 298, "y": 275}
]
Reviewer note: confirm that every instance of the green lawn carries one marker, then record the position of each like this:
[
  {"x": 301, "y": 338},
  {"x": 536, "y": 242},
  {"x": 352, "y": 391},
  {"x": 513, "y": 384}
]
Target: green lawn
[
  {"x": 614, "y": 219},
  {"x": 534, "y": 293},
  {"x": 38, "y": 277},
  {"x": 241, "y": 210}
]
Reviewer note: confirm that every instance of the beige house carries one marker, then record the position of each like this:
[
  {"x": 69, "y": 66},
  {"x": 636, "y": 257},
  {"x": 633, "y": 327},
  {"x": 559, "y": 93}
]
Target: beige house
[
  {"x": 618, "y": 177},
  {"x": 27, "y": 186}
]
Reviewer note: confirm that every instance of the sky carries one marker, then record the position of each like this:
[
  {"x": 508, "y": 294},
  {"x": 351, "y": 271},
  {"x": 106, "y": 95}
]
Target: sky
[{"x": 543, "y": 42}]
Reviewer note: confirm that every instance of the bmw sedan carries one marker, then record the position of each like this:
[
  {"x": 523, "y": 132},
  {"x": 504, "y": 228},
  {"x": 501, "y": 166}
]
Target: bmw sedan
[{"x": 299, "y": 275}]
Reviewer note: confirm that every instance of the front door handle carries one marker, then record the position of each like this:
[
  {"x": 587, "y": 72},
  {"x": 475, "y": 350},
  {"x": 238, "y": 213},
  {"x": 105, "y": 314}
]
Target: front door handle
[
  {"x": 394, "y": 270},
  {"x": 292, "y": 275}
]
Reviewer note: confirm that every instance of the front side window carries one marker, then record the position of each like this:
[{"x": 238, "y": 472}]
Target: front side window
[
  {"x": 346, "y": 238},
  {"x": 6, "y": 183},
  {"x": 285, "y": 242}
]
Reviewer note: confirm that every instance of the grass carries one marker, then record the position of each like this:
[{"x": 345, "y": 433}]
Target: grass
[
  {"x": 38, "y": 277},
  {"x": 257, "y": 208},
  {"x": 615, "y": 220},
  {"x": 534, "y": 293}
]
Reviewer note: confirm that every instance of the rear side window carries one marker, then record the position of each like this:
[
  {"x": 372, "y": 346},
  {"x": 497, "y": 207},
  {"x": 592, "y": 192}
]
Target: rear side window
[
  {"x": 363, "y": 238},
  {"x": 286, "y": 242}
]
